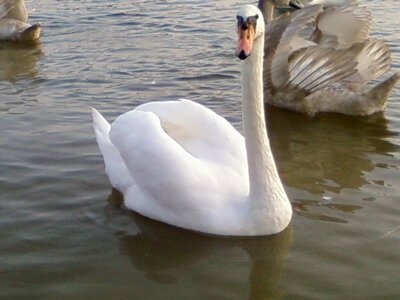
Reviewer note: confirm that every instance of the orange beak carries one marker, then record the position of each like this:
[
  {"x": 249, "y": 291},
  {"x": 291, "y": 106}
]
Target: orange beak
[{"x": 245, "y": 42}]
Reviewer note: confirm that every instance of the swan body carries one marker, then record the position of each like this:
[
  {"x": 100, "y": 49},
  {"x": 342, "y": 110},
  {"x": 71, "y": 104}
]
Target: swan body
[
  {"x": 180, "y": 163},
  {"x": 330, "y": 71},
  {"x": 13, "y": 22}
]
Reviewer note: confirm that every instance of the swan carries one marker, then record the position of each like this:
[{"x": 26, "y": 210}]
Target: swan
[
  {"x": 332, "y": 70},
  {"x": 284, "y": 6},
  {"x": 180, "y": 163},
  {"x": 13, "y": 26}
]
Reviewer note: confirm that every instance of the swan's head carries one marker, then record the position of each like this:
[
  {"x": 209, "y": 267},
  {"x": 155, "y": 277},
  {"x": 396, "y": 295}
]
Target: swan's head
[{"x": 250, "y": 27}]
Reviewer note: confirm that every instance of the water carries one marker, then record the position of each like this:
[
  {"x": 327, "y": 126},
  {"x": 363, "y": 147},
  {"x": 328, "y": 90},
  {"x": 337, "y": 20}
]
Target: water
[{"x": 63, "y": 232}]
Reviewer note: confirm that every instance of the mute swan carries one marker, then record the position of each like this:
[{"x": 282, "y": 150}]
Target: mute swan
[
  {"x": 180, "y": 163},
  {"x": 332, "y": 70},
  {"x": 13, "y": 26}
]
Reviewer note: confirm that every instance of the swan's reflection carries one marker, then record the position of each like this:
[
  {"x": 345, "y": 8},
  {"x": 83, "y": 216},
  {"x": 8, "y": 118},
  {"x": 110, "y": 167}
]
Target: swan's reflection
[
  {"x": 327, "y": 153},
  {"x": 164, "y": 253},
  {"x": 19, "y": 60}
]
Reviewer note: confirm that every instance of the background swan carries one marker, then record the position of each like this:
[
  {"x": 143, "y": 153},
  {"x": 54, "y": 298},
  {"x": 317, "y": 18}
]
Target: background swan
[
  {"x": 13, "y": 22},
  {"x": 180, "y": 163},
  {"x": 284, "y": 6},
  {"x": 331, "y": 70},
  {"x": 325, "y": 3}
]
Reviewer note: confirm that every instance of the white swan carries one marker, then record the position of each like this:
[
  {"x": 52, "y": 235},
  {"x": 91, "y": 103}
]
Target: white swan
[
  {"x": 13, "y": 22},
  {"x": 332, "y": 70},
  {"x": 180, "y": 163}
]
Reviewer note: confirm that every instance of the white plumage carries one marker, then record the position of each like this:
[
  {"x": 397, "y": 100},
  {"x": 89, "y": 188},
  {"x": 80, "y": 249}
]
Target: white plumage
[{"x": 180, "y": 163}]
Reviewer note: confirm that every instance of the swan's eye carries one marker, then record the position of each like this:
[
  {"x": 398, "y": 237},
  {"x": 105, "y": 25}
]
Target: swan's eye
[
  {"x": 240, "y": 21},
  {"x": 253, "y": 20}
]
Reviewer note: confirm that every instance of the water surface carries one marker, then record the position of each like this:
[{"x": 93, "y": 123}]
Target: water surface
[{"x": 65, "y": 235}]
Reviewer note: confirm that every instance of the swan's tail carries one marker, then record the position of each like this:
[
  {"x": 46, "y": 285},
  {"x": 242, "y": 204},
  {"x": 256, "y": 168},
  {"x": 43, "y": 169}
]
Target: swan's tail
[
  {"x": 31, "y": 33},
  {"x": 115, "y": 167},
  {"x": 100, "y": 125},
  {"x": 380, "y": 93}
]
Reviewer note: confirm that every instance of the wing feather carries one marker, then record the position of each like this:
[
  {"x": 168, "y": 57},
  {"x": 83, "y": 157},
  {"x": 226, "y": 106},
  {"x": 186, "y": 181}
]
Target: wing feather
[
  {"x": 307, "y": 69},
  {"x": 13, "y": 9},
  {"x": 341, "y": 27},
  {"x": 279, "y": 35},
  {"x": 315, "y": 68},
  {"x": 373, "y": 58},
  {"x": 5, "y": 7}
]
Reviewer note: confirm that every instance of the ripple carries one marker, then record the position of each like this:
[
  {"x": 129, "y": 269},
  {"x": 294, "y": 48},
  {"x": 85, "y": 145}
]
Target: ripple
[{"x": 64, "y": 236}]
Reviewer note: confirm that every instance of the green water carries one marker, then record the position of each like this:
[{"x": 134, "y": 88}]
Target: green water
[{"x": 65, "y": 235}]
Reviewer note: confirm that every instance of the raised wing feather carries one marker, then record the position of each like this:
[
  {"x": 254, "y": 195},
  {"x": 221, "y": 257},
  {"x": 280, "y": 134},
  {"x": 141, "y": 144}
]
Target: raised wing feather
[
  {"x": 341, "y": 27},
  {"x": 373, "y": 58},
  {"x": 314, "y": 68},
  {"x": 5, "y": 7},
  {"x": 279, "y": 34},
  {"x": 13, "y": 9},
  {"x": 307, "y": 69}
]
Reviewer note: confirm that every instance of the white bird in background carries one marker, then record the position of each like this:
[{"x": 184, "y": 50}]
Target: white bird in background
[
  {"x": 180, "y": 163},
  {"x": 13, "y": 26},
  {"x": 332, "y": 70}
]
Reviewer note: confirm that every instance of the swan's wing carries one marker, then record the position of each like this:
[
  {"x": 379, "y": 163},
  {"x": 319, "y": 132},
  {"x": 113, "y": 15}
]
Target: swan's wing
[
  {"x": 278, "y": 36},
  {"x": 203, "y": 133},
  {"x": 161, "y": 167},
  {"x": 151, "y": 156},
  {"x": 5, "y": 7},
  {"x": 373, "y": 60},
  {"x": 305, "y": 70},
  {"x": 14, "y": 10},
  {"x": 299, "y": 42},
  {"x": 341, "y": 27},
  {"x": 116, "y": 170},
  {"x": 314, "y": 68}
]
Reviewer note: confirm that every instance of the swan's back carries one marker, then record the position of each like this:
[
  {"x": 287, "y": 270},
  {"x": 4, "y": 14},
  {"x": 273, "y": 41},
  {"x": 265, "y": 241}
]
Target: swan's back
[{"x": 199, "y": 130}]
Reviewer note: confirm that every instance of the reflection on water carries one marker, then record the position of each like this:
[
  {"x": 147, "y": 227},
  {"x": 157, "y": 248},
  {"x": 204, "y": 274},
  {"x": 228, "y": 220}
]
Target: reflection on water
[
  {"x": 313, "y": 152},
  {"x": 164, "y": 253},
  {"x": 18, "y": 60},
  {"x": 326, "y": 154}
]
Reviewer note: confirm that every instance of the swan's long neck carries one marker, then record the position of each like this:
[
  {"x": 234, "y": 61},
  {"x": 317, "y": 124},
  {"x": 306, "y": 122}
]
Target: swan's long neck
[{"x": 267, "y": 196}]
